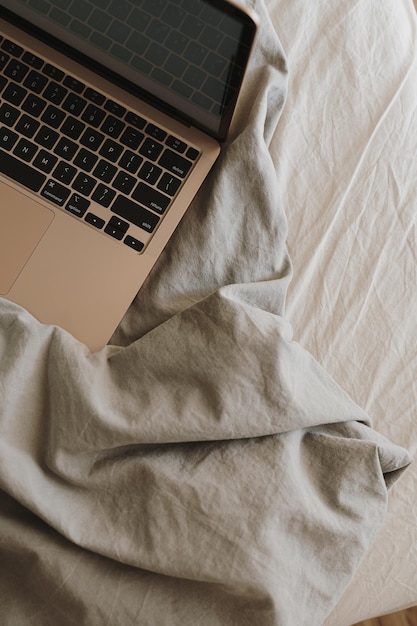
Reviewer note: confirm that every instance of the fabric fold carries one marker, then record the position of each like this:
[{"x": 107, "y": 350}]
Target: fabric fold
[{"x": 203, "y": 468}]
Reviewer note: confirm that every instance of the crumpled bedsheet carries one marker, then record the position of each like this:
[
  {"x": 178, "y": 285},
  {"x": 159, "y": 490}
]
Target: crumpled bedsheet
[{"x": 203, "y": 468}]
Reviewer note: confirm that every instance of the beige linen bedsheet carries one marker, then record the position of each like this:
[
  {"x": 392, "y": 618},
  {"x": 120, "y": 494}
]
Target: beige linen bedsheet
[
  {"x": 204, "y": 468},
  {"x": 345, "y": 154}
]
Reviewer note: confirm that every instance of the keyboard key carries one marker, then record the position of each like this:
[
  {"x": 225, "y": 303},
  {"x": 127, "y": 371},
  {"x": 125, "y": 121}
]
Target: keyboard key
[
  {"x": 84, "y": 184},
  {"x": 169, "y": 184},
  {"x": 161, "y": 76},
  {"x": 133, "y": 243},
  {"x": 8, "y": 114},
  {"x": 156, "y": 54},
  {"x": 27, "y": 126},
  {"x": 156, "y": 132},
  {"x": 80, "y": 29},
  {"x": 195, "y": 53},
  {"x": 53, "y": 72},
  {"x": 33, "y": 105},
  {"x": 124, "y": 183},
  {"x": 215, "y": 64},
  {"x": 74, "y": 84},
  {"x": 131, "y": 138},
  {"x": 135, "y": 120},
  {"x": 103, "y": 195},
  {"x": 101, "y": 41},
  {"x": 151, "y": 149},
  {"x": 12, "y": 48},
  {"x": 55, "y": 192},
  {"x": 112, "y": 126},
  {"x": 55, "y": 93},
  {"x": 139, "y": 20},
  {"x": 135, "y": 213},
  {"x": 183, "y": 90},
  {"x": 173, "y": 16},
  {"x": 192, "y": 26},
  {"x": 8, "y": 138},
  {"x": 46, "y": 137},
  {"x": 74, "y": 104},
  {"x": 72, "y": 127},
  {"x": 130, "y": 161},
  {"x": 77, "y": 205},
  {"x": 59, "y": 16},
  {"x": 116, "y": 228},
  {"x": 211, "y": 37},
  {"x": 119, "y": 9},
  {"x": 175, "y": 65},
  {"x": 21, "y": 172},
  {"x": 111, "y": 150},
  {"x": 157, "y": 31},
  {"x": 140, "y": 64},
  {"x": 212, "y": 15},
  {"x": 118, "y": 51},
  {"x": 176, "y": 144},
  {"x": 32, "y": 60},
  {"x": 150, "y": 172},
  {"x": 105, "y": 171},
  {"x": 174, "y": 163},
  {"x": 92, "y": 139},
  {"x": 151, "y": 198},
  {"x": 4, "y": 58},
  {"x": 25, "y": 150},
  {"x": 80, "y": 10},
  {"x": 35, "y": 81},
  {"x": 192, "y": 153},
  {"x": 119, "y": 32},
  {"x": 94, "y": 96},
  {"x": 93, "y": 115},
  {"x": 116, "y": 222},
  {"x": 94, "y": 220},
  {"x": 114, "y": 232},
  {"x": 85, "y": 160},
  {"x": 16, "y": 70},
  {"x": 66, "y": 148},
  {"x": 100, "y": 20},
  {"x": 45, "y": 161},
  {"x": 115, "y": 108},
  {"x": 53, "y": 116},
  {"x": 64, "y": 172},
  {"x": 194, "y": 77},
  {"x": 15, "y": 94}
]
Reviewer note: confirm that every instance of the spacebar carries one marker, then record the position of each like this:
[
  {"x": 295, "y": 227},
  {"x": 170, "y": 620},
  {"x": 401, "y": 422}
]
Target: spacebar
[{"x": 20, "y": 172}]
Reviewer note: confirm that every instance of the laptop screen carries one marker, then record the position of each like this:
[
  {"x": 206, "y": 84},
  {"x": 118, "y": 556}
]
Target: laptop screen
[{"x": 188, "y": 54}]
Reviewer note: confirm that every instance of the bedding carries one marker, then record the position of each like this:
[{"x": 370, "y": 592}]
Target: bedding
[
  {"x": 345, "y": 156},
  {"x": 227, "y": 458}
]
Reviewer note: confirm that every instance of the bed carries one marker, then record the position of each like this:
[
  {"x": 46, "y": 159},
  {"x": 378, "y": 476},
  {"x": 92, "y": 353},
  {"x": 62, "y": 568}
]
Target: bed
[
  {"x": 346, "y": 162},
  {"x": 241, "y": 452}
]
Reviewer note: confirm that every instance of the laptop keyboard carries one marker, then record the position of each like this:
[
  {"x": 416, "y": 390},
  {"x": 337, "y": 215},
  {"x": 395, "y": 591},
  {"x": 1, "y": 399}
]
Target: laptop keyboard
[{"x": 77, "y": 149}]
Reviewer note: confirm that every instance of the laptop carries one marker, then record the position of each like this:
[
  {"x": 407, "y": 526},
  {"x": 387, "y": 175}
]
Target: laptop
[{"x": 112, "y": 113}]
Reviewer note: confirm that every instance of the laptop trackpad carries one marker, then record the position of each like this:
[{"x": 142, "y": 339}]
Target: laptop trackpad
[{"x": 23, "y": 222}]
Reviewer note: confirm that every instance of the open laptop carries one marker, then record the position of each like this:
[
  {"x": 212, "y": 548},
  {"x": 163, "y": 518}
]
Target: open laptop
[{"x": 112, "y": 113}]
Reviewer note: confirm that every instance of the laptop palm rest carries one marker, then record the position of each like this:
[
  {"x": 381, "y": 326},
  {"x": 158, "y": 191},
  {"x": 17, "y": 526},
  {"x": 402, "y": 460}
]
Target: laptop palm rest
[{"x": 24, "y": 222}]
